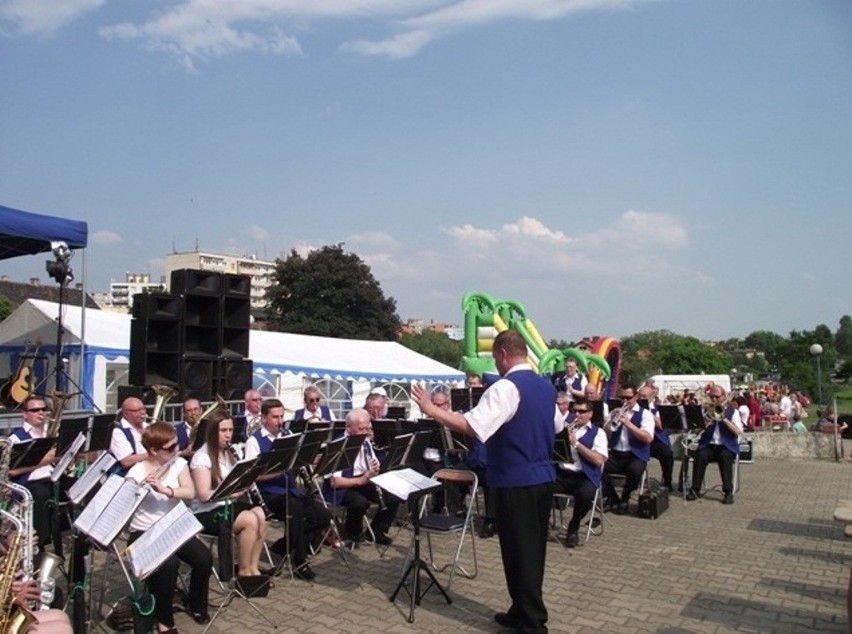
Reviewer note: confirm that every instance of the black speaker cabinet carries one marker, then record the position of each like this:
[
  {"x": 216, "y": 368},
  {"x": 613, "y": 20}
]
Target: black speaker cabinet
[
  {"x": 157, "y": 306},
  {"x": 145, "y": 394},
  {"x": 235, "y": 377},
  {"x": 202, "y": 325},
  {"x": 197, "y": 376},
  {"x": 236, "y": 286},
  {"x": 155, "y": 342},
  {"x": 196, "y": 282}
]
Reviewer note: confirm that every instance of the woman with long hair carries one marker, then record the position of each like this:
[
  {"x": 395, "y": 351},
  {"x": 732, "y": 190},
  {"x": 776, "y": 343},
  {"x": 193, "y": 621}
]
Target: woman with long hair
[
  {"x": 168, "y": 477},
  {"x": 210, "y": 465}
]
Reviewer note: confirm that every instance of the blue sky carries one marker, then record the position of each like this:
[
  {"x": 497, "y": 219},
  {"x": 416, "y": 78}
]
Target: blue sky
[{"x": 615, "y": 166}]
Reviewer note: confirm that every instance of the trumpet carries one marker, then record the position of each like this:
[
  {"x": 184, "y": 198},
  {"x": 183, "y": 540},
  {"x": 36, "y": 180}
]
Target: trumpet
[{"x": 613, "y": 423}]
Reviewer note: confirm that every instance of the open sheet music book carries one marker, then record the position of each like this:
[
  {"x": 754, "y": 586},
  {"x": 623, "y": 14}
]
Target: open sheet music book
[
  {"x": 168, "y": 533},
  {"x": 404, "y": 482},
  {"x": 67, "y": 457},
  {"x": 91, "y": 477},
  {"x": 103, "y": 518}
]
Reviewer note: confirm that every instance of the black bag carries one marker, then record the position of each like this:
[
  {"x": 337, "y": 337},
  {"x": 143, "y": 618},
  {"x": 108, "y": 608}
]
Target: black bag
[
  {"x": 254, "y": 585},
  {"x": 652, "y": 504}
]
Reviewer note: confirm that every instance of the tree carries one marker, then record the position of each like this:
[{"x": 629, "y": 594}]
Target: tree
[
  {"x": 6, "y": 307},
  {"x": 843, "y": 337},
  {"x": 663, "y": 352},
  {"x": 330, "y": 293},
  {"x": 435, "y": 345}
]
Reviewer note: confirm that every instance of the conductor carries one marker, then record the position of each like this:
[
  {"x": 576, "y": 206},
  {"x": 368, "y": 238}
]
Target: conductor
[{"x": 517, "y": 419}]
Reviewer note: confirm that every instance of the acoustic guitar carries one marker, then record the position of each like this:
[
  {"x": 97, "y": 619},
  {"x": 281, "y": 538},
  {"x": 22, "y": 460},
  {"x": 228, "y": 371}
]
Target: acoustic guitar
[{"x": 22, "y": 383}]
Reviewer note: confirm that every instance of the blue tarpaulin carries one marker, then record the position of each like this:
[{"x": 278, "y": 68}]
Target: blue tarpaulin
[{"x": 25, "y": 233}]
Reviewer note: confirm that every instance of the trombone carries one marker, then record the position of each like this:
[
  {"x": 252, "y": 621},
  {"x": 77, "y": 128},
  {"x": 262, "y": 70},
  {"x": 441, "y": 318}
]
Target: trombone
[{"x": 218, "y": 403}]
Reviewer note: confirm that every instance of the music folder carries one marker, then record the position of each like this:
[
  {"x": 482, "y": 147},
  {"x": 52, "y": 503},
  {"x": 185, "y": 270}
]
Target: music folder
[
  {"x": 110, "y": 509},
  {"x": 29, "y": 453},
  {"x": 241, "y": 477},
  {"x": 404, "y": 483},
  {"x": 312, "y": 441},
  {"x": 90, "y": 477},
  {"x": 159, "y": 542},
  {"x": 68, "y": 456},
  {"x": 598, "y": 416},
  {"x": 562, "y": 447}
]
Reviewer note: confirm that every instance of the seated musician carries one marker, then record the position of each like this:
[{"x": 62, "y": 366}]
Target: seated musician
[
  {"x": 582, "y": 477},
  {"x": 661, "y": 446},
  {"x": 210, "y": 465},
  {"x": 573, "y": 381},
  {"x": 720, "y": 442},
  {"x": 166, "y": 473},
  {"x": 36, "y": 479},
  {"x": 629, "y": 449},
  {"x": 352, "y": 487},
  {"x": 24, "y": 594},
  {"x": 313, "y": 411},
  {"x": 126, "y": 443},
  {"x": 308, "y": 517},
  {"x": 191, "y": 417},
  {"x": 563, "y": 402}
]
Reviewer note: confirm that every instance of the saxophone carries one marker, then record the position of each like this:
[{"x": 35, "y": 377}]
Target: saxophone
[{"x": 14, "y": 619}]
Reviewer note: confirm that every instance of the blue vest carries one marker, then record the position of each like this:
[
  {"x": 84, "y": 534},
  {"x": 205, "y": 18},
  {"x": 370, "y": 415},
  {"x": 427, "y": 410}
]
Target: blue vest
[
  {"x": 325, "y": 413},
  {"x": 477, "y": 457},
  {"x": 728, "y": 438},
  {"x": 118, "y": 469},
  {"x": 639, "y": 449},
  {"x": 519, "y": 452},
  {"x": 21, "y": 434},
  {"x": 592, "y": 472},
  {"x": 182, "y": 435},
  {"x": 278, "y": 485},
  {"x": 332, "y": 495}
]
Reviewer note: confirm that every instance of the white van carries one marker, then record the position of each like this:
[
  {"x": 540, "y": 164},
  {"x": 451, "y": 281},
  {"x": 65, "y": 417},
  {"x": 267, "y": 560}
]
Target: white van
[{"x": 676, "y": 383}]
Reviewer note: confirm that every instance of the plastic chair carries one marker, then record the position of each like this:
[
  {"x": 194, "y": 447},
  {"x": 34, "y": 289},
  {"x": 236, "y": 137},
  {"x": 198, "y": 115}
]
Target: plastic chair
[{"x": 445, "y": 524}]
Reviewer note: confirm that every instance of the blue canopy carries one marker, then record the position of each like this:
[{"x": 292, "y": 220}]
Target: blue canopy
[{"x": 25, "y": 233}]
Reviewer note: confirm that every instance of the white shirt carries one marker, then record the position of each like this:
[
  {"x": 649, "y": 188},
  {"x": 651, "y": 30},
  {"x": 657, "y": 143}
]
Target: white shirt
[
  {"x": 42, "y": 472},
  {"x": 155, "y": 505},
  {"x": 201, "y": 460},
  {"x": 120, "y": 447},
  {"x": 599, "y": 445},
  {"x": 745, "y": 412},
  {"x": 252, "y": 447},
  {"x": 717, "y": 436},
  {"x": 498, "y": 405},
  {"x": 785, "y": 406},
  {"x": 646, "y": 424}
]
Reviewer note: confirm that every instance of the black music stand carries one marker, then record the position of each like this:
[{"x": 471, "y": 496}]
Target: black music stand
[
  {"x": 297, "y": 425},
  {"x": 30, "y": 452},
  {"x": 562, "y": 447},
  {"x": 100, "y": 433},
  {"x": 671, "y": 418},
  {"x": 395, "y": 412},
  {"x": 694, "y": 415},
  {"x": 418, "y": 489},
  {"x": 464, "y": 399},
  {"x": 598, "y": 417}
]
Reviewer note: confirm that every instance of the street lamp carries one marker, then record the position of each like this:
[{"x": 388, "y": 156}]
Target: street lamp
[{"x": 816, "y": 352}]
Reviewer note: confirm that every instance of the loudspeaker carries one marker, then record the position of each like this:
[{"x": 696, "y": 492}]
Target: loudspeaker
[
  {"x": 202, "y": 325},
  {"x": 157, "y": 306},
  {"x": 196, "y": 377},
  {"x": 236, "y": 286},
  {"x": 156, "y": 340},
  {"x": 196, "y": 282},
  {"x": 235, "y": 377},
  {"x": 145, "y": 394}
]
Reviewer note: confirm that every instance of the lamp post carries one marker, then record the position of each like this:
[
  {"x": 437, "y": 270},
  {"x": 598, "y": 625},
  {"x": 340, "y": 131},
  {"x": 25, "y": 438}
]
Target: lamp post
[{"x": 816, "y": 352}]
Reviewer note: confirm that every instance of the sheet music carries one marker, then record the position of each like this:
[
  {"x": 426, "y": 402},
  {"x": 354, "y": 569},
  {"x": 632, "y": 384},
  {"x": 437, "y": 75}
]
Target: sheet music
[
  {"x": 110, "y": 509},
  {"x": 167, "y": 534},
  {"x": 90, "y": 478},
  {"x": 404, "y": 482},
  {"x": 67, "y": 457}
]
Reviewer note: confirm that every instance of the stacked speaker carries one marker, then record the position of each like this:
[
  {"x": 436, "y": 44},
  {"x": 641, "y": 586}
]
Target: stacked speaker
[{"x": 195, "y": 338}]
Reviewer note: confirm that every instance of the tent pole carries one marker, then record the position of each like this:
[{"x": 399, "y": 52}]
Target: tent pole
[{"x": 81, "y": 376}]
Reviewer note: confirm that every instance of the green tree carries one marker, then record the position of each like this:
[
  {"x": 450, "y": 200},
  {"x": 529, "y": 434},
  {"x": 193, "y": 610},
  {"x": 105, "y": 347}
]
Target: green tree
[
  {"x": 663, "y": 352},
  {"x": 6, "y": 307},
  {"x": 435, "y": 345},
  {"x": 771, "y": 344},
  {"x": 843, "y": 337},
  {"x": 332, "y": 294}
]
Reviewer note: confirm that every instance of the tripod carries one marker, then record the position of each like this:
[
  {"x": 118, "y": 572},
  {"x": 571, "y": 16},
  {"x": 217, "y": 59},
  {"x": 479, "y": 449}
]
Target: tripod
[{"x": 416, "y": 565}]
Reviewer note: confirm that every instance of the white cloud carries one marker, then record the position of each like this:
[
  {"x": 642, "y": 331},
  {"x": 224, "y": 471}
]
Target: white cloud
[
  {"x": 399, "y": 46},
  {"x": 44, "y": 17},
  {"x": 370, "y": 239},
  {"x": 104, "y": 237},
  {"x": 257, "y": 234}
]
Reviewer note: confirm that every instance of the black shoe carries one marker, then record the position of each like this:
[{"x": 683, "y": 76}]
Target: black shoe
[
  {"x": 487, "y": 529},
  {"x": 504, "y": 620},
  {"x": 382, "y": 539},
  {"x": 596, "y": 523},
  {"x": 353, "y": 542},
  {"x": 691, "y": 495},
  {"x": 572, "y": 540},
  {"x": 670, "y": 487},
  {"x": 728, "y": 499},
  {"x": 199, "y": 617},
  {"x": 623, "y": 508},
  {"x": 304, "y": 572}
]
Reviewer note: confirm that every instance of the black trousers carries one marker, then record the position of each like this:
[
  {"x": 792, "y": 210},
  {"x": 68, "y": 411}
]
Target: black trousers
[
  {"x": 523, "y": 516},
  {"x": 626, "y": 464},
  {"x": 663, "y": 452},
  {"x": 720, "y": 454},
  {"x": 357, "y": 501},
  {"x": 161, "y": 583},
  {"x": 307, "y": 519},
  {"x": 576, "y": 483}
]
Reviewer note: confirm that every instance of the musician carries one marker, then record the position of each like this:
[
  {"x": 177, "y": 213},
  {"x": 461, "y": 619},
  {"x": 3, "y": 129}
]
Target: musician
[
  {"x": 126, "y": 444},
  {"x": 582, "y": 476},
  {"x": 191, "y": 417},
  {"x": 251, "y": 408},
  {"x": 517, "y": 418},
  {"x": 210, "y": 465},
  {"x": 352, "y": 487},
  {"x": 376, "y": 404},
  {"x": 629, "y": 449},
  {"x": 477, "y": 461},
  {"x": 51, "y": 621},
  {"x": 564, "y": 405},
  {"x": 435, "y": 459},
  {"x": 661, "y": 445},
  {"x": 36, "y": 479},
  {"x": 306, "y": 518},
  {"x": 313, "y": 411},
  {"x": 719, "y": 442},
  {"x": 167, "y": 475},
  {"x": 573, "y": 382}
]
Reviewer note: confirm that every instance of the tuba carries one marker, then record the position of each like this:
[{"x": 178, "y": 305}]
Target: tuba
[
  {"x": 57, "y": 400},
  {"x": 163, "y": 394},
  {"x": 218, "y": 403}
]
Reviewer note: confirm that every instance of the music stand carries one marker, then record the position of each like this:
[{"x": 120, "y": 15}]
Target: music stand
[
  {"x": 397, "y": 451},
  {"x": 562, "y": 447},
  {"x": 384, "y": 432},
  {"x": 240, "y": 428},
  {"x": 100, "y": 433},
  {"x": 419, "y": 486},
  {"x": 30, "y": 452},
  {"x": 694, "y": 417},
  {"x": 69, "y": 429},
  {"x": 464, "y": 399},
  {"x": 395, "y": 412},
  {"x": 671, "y": 418},
  {"x": 598, "y": 417},
  {"x": 297, "y": 425}
]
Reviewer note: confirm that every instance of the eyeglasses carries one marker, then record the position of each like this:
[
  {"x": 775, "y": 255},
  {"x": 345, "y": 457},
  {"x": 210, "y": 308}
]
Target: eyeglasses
[
  {"x": 313, "y": 400},
  {"x": 717, "y": 395},
  {"x": 38, "y": 409},
  {"x": 582, "y": 411},
  {"x": 627, "y": 397},
  {"x": 170, "y": 447}
]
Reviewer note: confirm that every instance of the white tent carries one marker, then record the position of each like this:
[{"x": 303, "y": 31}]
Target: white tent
[{"x": 289, "y": 358}]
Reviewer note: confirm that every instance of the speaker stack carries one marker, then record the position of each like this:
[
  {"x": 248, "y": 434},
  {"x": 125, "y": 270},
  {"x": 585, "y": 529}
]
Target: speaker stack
[{"x": 195, "y": 338}]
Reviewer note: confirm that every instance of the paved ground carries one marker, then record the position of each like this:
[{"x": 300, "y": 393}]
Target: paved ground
[{"x": 773, "y": 562}]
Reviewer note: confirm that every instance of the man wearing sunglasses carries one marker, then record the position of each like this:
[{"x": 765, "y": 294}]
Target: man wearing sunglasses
[
  {"x": 582, "y": 476},
  {"x": 313, "y": 411},
  {"x": 630, "y": 449},
  {"x": 36, "y": 479}
]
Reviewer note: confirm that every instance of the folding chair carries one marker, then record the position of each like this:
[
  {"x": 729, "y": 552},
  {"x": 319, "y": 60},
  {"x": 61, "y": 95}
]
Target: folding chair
[
  {"x": 445, "y": 524},
  {"x": 595, "y": 518}
]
